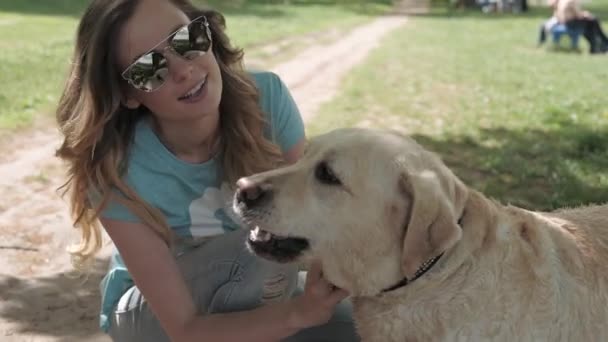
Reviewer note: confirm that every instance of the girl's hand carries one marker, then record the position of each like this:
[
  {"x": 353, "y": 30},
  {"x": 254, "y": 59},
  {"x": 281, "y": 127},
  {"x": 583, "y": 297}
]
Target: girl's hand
[{"x": 316, "y": 305}]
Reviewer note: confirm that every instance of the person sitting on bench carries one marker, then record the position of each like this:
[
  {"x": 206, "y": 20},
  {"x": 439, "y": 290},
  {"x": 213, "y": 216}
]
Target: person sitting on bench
[{"x": 569, "y": 13}]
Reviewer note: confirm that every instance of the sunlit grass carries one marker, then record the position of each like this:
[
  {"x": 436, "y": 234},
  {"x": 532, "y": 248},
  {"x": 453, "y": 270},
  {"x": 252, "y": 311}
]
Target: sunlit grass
[{"x": 523, "y": 124}]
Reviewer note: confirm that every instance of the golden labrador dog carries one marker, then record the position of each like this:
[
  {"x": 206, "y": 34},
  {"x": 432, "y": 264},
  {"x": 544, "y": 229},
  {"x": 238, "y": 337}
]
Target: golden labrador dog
[{"x": 424, "y": 257}]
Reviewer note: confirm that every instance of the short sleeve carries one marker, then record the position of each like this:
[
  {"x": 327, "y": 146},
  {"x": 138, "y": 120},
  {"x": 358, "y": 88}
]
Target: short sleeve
[
  {"x": 116, "y": 211},
  {"x": 285, "y": 120},
  {"x": 113, "y": 210}
]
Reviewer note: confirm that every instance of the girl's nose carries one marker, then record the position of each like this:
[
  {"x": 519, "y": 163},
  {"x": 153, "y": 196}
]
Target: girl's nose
[{"x": 179, "y": 67}]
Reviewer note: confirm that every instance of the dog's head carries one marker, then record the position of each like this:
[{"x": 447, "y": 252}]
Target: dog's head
[{"x": 372, "y": 205}]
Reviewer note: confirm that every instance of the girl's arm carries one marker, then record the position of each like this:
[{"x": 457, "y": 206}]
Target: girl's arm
[
  {"x": 295, "y": 152},
  {"x": 159, "y": 279}
]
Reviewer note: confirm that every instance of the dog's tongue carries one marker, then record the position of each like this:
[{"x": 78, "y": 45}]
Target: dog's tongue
[{"x": 259, "y": 235}]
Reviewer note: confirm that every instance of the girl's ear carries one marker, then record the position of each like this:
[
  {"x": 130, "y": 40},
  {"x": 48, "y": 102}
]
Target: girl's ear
[{"x": 130, "y": 100}]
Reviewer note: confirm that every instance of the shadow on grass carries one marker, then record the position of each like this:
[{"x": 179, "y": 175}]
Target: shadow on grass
[
  {"x": 534, "y": 169},
  {"x": 257, "y": 8},
  {"x": 60, "y": 306}
]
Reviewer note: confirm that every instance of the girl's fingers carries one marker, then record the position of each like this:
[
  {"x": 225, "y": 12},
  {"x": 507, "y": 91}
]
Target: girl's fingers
[
  {"x": 337, "y": 295},
  {"x": 314, "y": 274},
  {"x": 319, "y": 286}
]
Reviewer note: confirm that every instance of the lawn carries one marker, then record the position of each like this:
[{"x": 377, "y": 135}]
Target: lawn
[
  {"x": 37, "y": 39},
  {"x": 525, "y": 125}
]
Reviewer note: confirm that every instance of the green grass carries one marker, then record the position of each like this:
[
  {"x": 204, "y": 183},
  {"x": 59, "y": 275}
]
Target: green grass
[
  {"x": 523, "y": 124},
  {"x": 37, "y": 39}
]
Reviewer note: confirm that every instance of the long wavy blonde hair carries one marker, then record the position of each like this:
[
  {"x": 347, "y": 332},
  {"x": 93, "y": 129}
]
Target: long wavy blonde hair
[{"x": 98, "y": 128}]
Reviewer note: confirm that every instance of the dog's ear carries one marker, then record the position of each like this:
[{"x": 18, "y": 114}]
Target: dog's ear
[{"x": 433, "y": 221}]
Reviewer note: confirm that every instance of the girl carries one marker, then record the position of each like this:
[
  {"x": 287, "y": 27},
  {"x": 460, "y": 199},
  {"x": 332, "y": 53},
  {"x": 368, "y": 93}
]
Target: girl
[{"x": 160, "y": 120}]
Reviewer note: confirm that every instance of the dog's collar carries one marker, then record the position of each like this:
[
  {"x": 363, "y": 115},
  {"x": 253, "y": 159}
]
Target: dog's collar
[{"x": 426, "y": 266}]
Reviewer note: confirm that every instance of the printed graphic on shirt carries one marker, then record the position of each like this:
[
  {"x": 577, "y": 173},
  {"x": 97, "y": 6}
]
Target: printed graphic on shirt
[{"x": 210, "y": 213}]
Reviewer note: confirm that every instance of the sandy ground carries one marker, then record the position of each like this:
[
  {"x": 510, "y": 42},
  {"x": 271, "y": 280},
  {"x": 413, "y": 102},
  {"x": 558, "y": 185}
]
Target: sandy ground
[{"x": 40, "y": 298}]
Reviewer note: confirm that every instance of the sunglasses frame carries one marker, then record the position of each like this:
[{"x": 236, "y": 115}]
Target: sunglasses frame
[{"x": 125, "y": 74}]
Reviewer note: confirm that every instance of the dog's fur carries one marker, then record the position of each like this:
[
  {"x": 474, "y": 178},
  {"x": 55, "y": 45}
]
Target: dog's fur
[{"x": 506, "y": 273}]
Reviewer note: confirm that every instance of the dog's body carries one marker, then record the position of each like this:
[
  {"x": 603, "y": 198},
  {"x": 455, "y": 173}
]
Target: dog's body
[
  {"x": 503, "y": 273},
  {"x": 514, "y": 276}
]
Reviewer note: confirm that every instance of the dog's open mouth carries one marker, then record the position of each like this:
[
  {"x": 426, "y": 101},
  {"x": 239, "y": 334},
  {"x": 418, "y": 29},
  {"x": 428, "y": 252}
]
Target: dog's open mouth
[{"x": 274, "y": 247}]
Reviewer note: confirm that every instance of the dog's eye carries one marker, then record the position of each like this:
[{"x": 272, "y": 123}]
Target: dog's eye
[{"x": 325, "y": 175}]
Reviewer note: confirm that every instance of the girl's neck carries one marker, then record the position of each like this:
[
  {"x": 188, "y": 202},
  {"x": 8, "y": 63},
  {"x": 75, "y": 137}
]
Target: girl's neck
[{"x": 191, "y": 141}]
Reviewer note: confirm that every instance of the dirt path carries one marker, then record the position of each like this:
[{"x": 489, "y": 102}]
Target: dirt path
[{"x": 38, "y": 300}]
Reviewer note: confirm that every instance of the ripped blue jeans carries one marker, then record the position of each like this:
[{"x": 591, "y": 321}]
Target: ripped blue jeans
[{"x": 224, "y": 277}]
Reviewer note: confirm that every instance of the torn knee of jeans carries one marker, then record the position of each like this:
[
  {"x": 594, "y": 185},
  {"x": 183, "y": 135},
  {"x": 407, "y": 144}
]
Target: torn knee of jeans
[{"x": 274, "y": 288}]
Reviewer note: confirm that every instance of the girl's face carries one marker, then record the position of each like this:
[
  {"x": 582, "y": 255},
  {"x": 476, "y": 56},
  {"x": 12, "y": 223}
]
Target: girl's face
[{"x": 181, "y": 97}]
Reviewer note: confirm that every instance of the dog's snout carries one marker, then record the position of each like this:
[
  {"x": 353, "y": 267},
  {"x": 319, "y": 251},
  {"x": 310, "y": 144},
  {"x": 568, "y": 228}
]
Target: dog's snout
[{"x": 249, "y": 194}]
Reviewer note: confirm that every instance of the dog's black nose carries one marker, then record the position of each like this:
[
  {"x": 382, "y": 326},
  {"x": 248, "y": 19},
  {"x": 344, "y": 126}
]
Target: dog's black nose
[{"x": 249, "y": 195}]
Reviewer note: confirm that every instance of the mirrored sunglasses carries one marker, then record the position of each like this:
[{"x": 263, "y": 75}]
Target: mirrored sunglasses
[{"x": 150, "y": 71}]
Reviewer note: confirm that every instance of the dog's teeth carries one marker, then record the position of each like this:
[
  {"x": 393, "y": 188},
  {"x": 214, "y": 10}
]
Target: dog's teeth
[{"x": 259, "y": 235}]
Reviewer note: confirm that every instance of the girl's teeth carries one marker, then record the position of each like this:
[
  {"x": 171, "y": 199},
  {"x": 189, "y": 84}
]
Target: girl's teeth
[{"x": 193, "y": 91}]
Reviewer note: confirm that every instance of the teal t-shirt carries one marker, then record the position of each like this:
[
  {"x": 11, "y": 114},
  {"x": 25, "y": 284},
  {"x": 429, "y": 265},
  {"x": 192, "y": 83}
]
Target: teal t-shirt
[{"x": 191, "y": 196}]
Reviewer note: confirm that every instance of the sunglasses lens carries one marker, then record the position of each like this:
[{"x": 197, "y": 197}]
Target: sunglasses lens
[
  {"x": 192, "y": 40},
  {"x": 150, "y": 70}
]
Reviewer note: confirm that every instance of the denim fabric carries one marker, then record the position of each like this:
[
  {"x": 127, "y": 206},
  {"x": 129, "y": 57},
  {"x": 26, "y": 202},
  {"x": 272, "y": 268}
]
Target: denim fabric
[{"x": 224, "y": 277}]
